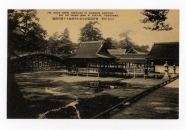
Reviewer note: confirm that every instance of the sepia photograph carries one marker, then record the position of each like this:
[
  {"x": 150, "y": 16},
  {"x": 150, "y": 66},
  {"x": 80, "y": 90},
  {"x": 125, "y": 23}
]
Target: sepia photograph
[{"x": 93, "y": 64}]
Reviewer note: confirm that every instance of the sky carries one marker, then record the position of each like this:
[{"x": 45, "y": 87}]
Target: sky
[{"x": 123, "y": 20}]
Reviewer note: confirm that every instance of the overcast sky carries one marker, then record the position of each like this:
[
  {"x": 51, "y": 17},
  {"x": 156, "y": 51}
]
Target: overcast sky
[{"x": 126, "y": 20}]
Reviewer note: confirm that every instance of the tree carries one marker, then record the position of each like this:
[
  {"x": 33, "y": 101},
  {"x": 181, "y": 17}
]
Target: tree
[
  {"x": 127, "y": 42},
  {"x": 61, "y": 44},
  {"x": 90, "y": 33},
  {"x": 110, "y": 43},
  {"x": 65, "y": 36},
  {"x": 54, "y": 42},
  {"x": 142, "y": 48},
  {"x": 158, "y": 18},
  {"x": 35, "y": 39},
  {"x": 25, "y": 34},
  {"x": 28, "y": 17},
  {"x": 16, "y": 104},
  {"x": 66, "y": 48},
  {"x": 14, "y": 33}
]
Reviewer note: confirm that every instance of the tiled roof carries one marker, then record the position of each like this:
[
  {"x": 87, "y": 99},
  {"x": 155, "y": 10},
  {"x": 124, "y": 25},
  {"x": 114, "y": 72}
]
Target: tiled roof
[
  {"x": 134, "y": 51},
  {"x": 92, "y": 49},
  {"x": 131, "y": 56},
  {"x": 165, "y": 50},
  {"x": 116, "y": 51}
]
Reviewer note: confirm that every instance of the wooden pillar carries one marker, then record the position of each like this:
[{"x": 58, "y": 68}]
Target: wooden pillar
[
  {"x": 104, "y": 68},
  {"x": 37, "y": 62},
  {"x": 122, "y": 68},
  {"x": 66, "y": 67},
  {"x": 48, "y": 62},
  {"x": 87, "y": 69},
  {"x": 134, "y": 71},
  {"x": 114, "y": 68},
  {"x": 100, "y": 69},
  {"x": 32, "y": 60},
  {"x": 129, "y": 70},
  {"x": 41, "y": 62},
  {"x": 107, "y": 68},
  {"x": 117, "y": 69},
  {"x": 76, "y": 69},
  {"x": 54, "y": 63},
  {"x": 144, "y": 69},
  {"x": 125, "y": 69}
]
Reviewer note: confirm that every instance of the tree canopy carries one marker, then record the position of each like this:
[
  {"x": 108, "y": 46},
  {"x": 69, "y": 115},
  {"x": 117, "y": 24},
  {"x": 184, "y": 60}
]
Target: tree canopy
[
  {"x": 127, "y": 42},
  {"x": 65, "y": 36},
  {"x": 157, "y": 18},
  {"x": 90, "y": 33},
  {"x": 25, "y": 34},
  {"x": 110, "y": 43},
  {"x": 60, "y": 43}
]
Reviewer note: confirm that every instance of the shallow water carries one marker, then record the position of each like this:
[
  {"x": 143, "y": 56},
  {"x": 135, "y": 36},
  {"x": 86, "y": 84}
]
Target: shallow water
[{"x": 50, "y": 96}]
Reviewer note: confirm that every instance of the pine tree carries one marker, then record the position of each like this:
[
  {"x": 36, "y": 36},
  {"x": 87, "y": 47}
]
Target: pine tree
[
  {"x": 157, "y": 18},
  {"x": 90, "y": 33}
]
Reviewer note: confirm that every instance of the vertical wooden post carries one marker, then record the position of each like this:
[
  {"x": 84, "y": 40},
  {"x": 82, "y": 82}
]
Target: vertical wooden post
[
  {"x": 114, "y": 69},
  {"x": 117, "y": 69},
  {"x": 98, "y": 71},
  {"x": 37, "y": 63},
  {"x": 99, "y": 67},
  {"x": 122, "y": 68},
  {"x": 55, "y": 63},
  {"x": 129, "y": 69},
  {"x": 107, "y": 68},
  {"x": 144, "y": 69},
  {"x": 87, "y": 69},
  {"x": 77, "y": 70},
  {"x": 104, "y": 68},
  {"x": 67, "y": 65},
  {"x": 32, "y": 62},
  {"x": 134, "y": 71}
]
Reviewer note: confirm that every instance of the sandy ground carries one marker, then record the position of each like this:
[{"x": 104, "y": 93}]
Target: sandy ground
[
  {"x": 142, "y": 81},
  {"x": 51, "y": 91},
  {"x": 174, "y": 84},
  {"x": 161, "y": 104}
]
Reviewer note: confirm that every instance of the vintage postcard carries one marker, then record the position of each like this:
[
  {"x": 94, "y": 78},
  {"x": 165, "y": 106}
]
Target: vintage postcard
[{"x": 93, "y": 64}]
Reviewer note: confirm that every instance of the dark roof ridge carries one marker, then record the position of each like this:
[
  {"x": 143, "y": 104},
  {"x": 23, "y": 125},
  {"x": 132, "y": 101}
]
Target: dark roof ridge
[
  {"x": 92, "y": 49},
  {"x": 166, "y": 50},
  {"x": 158, "y": 43},
  {"x": 89, "y": 42}
]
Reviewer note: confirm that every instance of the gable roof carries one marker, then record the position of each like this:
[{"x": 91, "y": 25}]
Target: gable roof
[
  {"x": 133, "y": 51},
  {"x": 131, "y": 56},
  {"x": 92, "y": 49},
  {"x": 116, "y": 51},
  {"x": 165, "y": 50}
]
